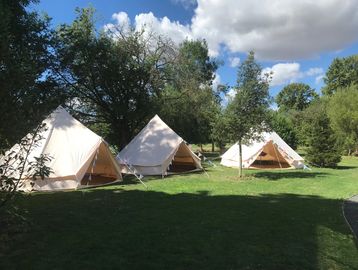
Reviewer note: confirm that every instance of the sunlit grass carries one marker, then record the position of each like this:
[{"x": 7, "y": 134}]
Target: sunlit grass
[{"x": 273, "y": 219}]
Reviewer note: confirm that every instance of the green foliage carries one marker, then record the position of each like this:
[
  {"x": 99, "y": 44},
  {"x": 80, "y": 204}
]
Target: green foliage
[
  {"x": 320, "y": 138},
  {"x": 27, "y": 90},
  {"x": 284, "y": 127},
  {"x": 292, "y": 100},
  {"x": 16, "y": 166},
  {"x": 193, "y": 65},
  {"x": 219, "y": 129},
  {"x": 341, "y": 73},
  {"x": 248, "y": 112},
  {"x": 122, "y": 78},
  {"x": 343, "y": 113},
  {"x": 295, "y": 96},
  {"x": 188, "y": 103},
  {"x": 115, "y": 77}
]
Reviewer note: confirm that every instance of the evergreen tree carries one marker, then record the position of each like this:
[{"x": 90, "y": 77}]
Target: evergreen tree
[{"x": 320, "y": 138}]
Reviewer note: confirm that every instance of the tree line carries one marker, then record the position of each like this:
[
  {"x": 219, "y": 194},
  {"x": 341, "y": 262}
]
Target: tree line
[{"x": 115, "y": 79}]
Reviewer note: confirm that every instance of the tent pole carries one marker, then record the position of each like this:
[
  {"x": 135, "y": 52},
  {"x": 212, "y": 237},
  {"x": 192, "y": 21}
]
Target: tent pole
[
  {"x": 134, "y": 173},
  {"x": 274, "y": 148},
  {"x": 206, "y": 173},
  {"x": 208, "y": 161},
  {"x": 93, "y": 164}
]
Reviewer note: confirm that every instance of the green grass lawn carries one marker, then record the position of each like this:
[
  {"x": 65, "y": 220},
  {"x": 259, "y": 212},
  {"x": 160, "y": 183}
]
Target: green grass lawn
[{"x": 289, "y": 219}]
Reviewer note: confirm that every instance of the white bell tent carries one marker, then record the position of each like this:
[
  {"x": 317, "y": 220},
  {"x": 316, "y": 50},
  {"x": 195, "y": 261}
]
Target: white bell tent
[
  {"x": 271, "y": 151},
  {"x": 79, "y": 157},
  {"x": 157, "y": 150}
]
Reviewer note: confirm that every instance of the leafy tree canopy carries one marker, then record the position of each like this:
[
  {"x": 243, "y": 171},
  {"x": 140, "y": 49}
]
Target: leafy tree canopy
[
  {"x": 295, "y": 96},
  {"x": 343, "y": 114},
  {"x": 114, "y": 77},
  {"x": 249, "y": 108},
  {"x": 28, "y": 92},
  {"x": 284, "y": 127},
  {"x": 341, "y": 73},
  {"x": 189, "y": 103},
  {"x": 248, "y": 112}
]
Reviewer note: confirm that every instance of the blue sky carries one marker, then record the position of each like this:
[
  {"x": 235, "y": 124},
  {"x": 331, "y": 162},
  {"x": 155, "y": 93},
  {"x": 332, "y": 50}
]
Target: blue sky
[{"x": 297, "y": 40}]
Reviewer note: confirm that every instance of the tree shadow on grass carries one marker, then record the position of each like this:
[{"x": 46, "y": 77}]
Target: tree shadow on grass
[
  {"x": 350, "y": 208},
  {"x": 341, "y": 167},
  {"x": 132, "y": 179},
  {"x": 118, "y": 229},
  {"x": 278, "y": 175}
]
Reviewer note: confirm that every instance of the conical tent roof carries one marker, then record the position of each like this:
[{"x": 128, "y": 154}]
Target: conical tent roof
[
  {"x": 72, "y": 148},
  {"x": 270, "y": 141},
  {"x": 153, "y": 149}
]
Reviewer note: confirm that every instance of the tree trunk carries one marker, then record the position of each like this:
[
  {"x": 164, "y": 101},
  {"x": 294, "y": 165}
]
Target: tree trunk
[
  {"x": 121, "y": 130},
  {"x": 212, "y": 146},
  {"x": 240, "y": 159},
  {"x": 201, "y": 147}
]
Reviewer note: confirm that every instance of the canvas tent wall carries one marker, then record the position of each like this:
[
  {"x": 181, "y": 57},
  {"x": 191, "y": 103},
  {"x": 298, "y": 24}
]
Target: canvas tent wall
[
  {"x": 79, "y": 157},
  {"x": 158, "y": 150},
  {"x": 269, "y": 152}
]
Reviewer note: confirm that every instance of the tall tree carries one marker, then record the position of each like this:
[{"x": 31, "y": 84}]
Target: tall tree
[
  {"x": 343, "y": 112},
  {"x": 27, "y": 90},
  {"x": 189, "y": 103},
  {"x": 295, "y": 96},
  {"x": 320, "y": 138},
  {"x": 341, "y": 73},
  {"x": 248, "y": 112},
  {"x": 114, "y": 78}
]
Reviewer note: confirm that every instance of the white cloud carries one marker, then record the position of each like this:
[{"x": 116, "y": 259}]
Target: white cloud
[
  {"x": 229, "y": 96},
  {"x": 148, "y": 22},
  {"x": 122, "y": 23},
  {"x": 231, "y": 93},
  {"x": 216, "y": 81},
  {"x": 319, "y": 79},
  {"x": 121, "y": 18},
  {"x": 314, "y": 71},
  {"x": 234, "y": 61},
  {"x": 284, "y": 73},
  {"x": 277, "y": 29},
  {"x": 172, "y": 29}
]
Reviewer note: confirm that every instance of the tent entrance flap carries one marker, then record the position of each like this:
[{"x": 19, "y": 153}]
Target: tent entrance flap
[
  {"x": 182, "y": 161},
  {"x": 102, "y": 169},
  {"x": 270, "y": 157}
]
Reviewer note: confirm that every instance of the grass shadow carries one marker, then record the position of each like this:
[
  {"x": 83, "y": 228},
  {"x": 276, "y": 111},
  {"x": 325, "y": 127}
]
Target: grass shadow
[
  {"x": 342, "y": 167},
  {"x": 350, "y": 208},
  {"x": 279, "y": 174},
  {"x": 110, "y": 229}
]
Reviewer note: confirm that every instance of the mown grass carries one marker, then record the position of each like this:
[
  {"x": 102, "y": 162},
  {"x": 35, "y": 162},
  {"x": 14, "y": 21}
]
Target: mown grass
[{"x": 277, "y": 219}]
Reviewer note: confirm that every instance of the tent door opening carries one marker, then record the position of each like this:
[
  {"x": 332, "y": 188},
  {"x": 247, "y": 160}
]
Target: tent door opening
[
  {"x": 182, "y": 161},
  {"x": 101, "y": 170},
  {"x": 270, "y": 158}
]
